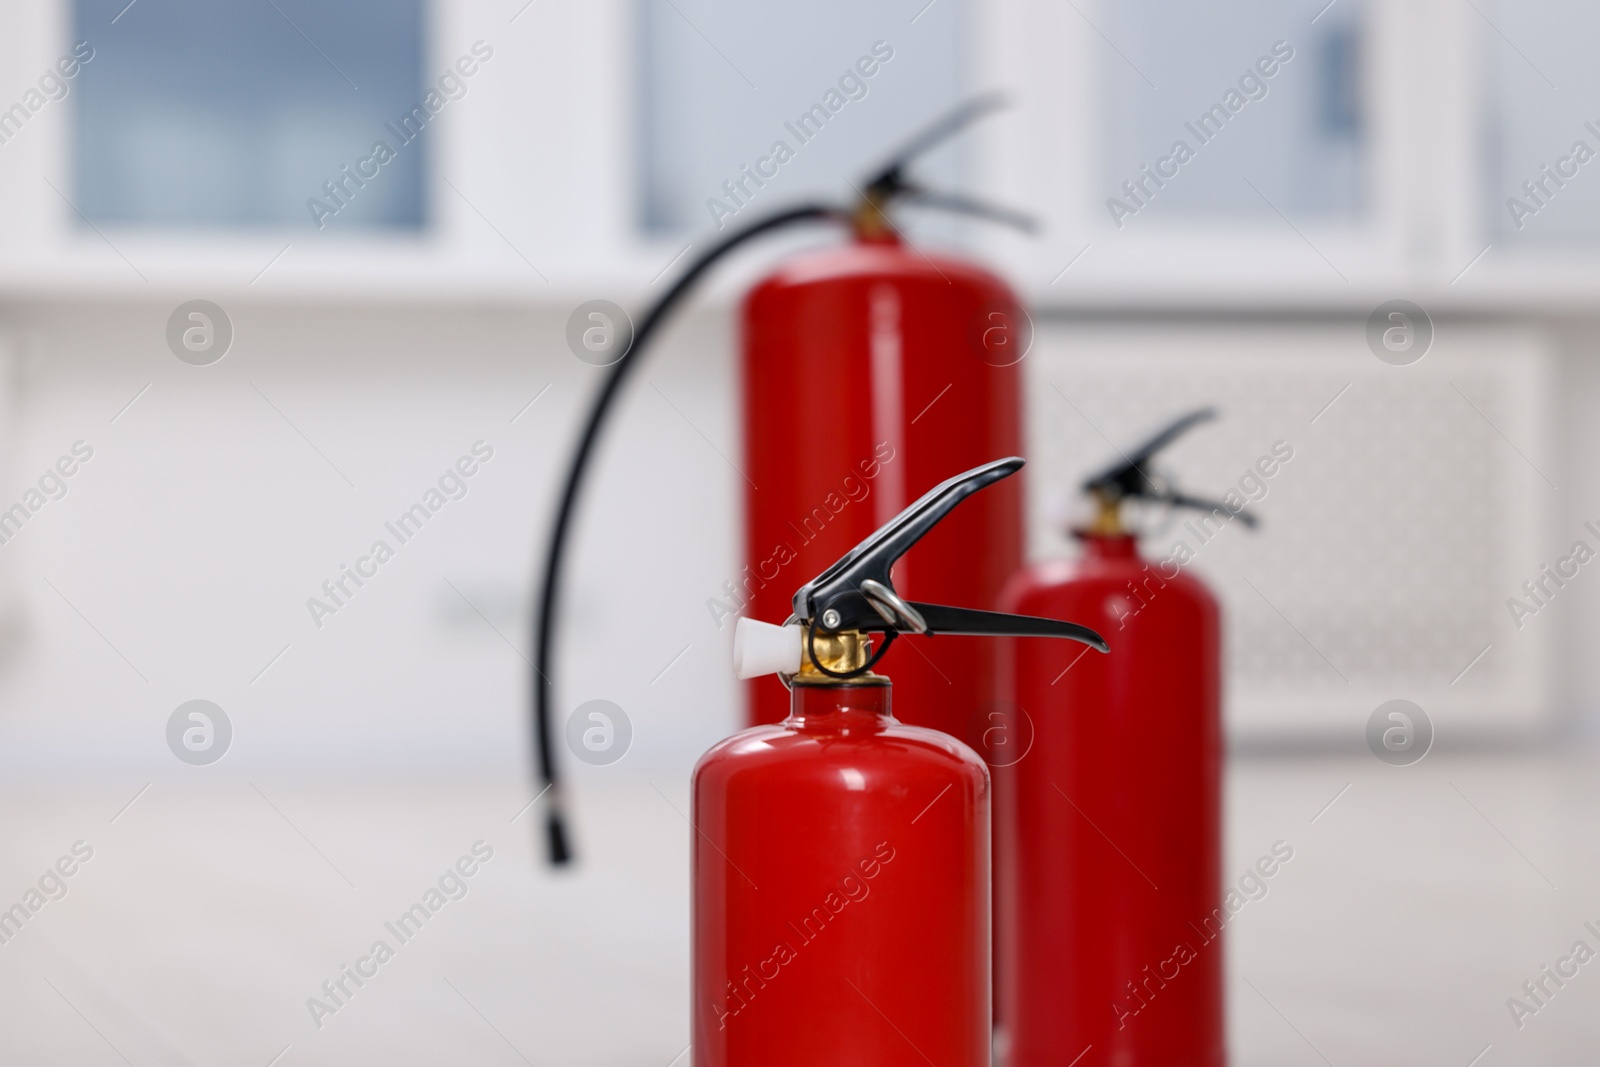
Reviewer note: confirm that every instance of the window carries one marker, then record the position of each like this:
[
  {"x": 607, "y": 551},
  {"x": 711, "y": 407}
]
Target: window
[
  {"x": 722, "y": 85},
  {"x": 193, "y": 113},
  {"x": 1266, "y": 96},
  {"x": 1541, "y": 186}
]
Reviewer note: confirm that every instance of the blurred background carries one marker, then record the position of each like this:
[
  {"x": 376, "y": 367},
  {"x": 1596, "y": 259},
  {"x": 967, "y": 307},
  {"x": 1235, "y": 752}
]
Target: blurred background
[{"x": 161, "y": 152}]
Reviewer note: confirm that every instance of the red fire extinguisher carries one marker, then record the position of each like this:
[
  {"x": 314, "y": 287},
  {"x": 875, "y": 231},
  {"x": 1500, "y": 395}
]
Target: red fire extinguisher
[
  {"x": 841, "y": 858},
  {"x": 1110, "y": 846},
  {"x": 928, "y": 346}
]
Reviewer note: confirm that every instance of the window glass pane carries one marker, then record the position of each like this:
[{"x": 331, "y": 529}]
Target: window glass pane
[
  {"x": 1258, "y": 94},
  {"x": 722, "y": 84},
  {"x": 1540, "y": 143},
  {"x": 198, "y": 113}
]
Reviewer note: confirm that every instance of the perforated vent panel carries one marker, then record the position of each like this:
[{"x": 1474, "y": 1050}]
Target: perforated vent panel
[{"x": 1409, "y": 511}]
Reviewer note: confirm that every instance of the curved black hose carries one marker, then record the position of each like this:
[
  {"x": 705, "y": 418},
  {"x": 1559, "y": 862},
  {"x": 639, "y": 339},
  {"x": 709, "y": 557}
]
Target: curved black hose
[{"x": 555, "y": 819}]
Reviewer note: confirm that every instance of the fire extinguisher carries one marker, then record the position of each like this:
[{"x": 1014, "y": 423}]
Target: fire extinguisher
[
  {"x": 928, "y": 345},
  {"x": 841, "y": 899},
  {"x": 1110, "y": 846},
  {"x": 931, "y": 345}
]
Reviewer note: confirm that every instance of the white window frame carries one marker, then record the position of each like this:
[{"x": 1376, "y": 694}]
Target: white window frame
[
  {"x": 1423, "y": 232},
  {"x": 542, "y": 154}
]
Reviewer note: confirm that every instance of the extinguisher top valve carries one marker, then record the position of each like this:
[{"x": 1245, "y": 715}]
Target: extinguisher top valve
[
  {"x": 837, "y": 609},
  {"x": 1132, "y": 478},
  {"x": 892, "y": 183}
]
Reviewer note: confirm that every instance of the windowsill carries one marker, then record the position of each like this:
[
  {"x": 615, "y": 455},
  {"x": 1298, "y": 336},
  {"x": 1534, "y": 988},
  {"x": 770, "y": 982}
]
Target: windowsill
[
  {"x": 1185, "y": 277},
  {"x": 368, "y": 270}
]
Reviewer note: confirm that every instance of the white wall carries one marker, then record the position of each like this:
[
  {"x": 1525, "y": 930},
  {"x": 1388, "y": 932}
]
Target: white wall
[{"x": 194, "y": 537}]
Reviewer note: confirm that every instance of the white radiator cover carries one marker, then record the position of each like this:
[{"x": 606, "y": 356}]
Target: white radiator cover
[{"x": 1413, "y": 507}]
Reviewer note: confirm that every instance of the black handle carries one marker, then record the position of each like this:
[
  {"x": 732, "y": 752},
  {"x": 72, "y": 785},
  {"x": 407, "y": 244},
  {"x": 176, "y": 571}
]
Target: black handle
[
  {"x": 856, "y": 594},
  {"x": 1184, "y": 500},
  {"x": 1132, "y": 478},
  {"x": 1129, "y": 477},
  {"x": 947, "y": 620},
  {"x": 890, "y": 178},
  {"x": 891, "y": 182},
  {"x": 838, "y": 589}
]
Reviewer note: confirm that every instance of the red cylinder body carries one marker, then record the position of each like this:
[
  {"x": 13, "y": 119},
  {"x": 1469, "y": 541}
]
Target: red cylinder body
[
  {"x": 841, "y": 892},
  {"x": 1118, "y": 795},
  {"x": 871, "y": 373}
]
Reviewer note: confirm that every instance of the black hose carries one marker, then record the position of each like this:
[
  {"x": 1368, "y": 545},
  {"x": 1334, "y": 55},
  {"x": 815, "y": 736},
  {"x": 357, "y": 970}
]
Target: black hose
[{"x": 555, "y": 819}]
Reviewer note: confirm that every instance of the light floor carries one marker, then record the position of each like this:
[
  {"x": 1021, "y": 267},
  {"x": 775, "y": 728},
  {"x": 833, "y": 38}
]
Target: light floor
[{"x": 1415, "y": 905}]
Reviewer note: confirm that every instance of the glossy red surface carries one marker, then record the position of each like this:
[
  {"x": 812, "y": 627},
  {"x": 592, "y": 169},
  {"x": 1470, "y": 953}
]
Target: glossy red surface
[
  {"x": 841, "y": 892},
  {"x": 868, "y": 378},
  {"x": 1119, "y": 795}
]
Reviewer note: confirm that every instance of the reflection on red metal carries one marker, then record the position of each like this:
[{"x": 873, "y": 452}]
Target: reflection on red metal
[
  {"x": 1111, "y": 842},
  {"x": 841, "y": 891},
  {"x": 870, "y": 372}
]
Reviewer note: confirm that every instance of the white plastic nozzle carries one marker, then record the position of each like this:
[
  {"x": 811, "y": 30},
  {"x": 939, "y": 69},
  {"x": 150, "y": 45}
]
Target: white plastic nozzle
[{"x": 760, "y": 648}]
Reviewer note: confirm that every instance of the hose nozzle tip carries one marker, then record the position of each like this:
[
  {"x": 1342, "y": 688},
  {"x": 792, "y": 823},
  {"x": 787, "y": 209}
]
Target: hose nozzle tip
[{"x": 556, "y": 839}]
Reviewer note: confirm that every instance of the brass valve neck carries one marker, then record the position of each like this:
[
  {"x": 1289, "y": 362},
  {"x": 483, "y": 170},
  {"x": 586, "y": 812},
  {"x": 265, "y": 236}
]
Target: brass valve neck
[
  {"x": 1107, "y": 520},
  {"x": 871, "y": 222},
  {"x": 841, "y": 652}
]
